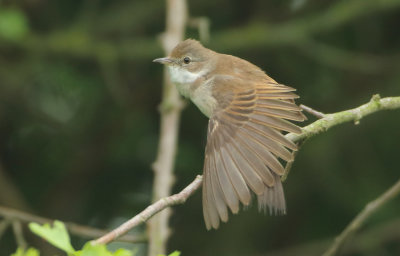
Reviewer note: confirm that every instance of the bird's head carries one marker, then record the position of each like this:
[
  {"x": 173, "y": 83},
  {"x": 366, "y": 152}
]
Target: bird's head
[{"x": 189, "y": 56}]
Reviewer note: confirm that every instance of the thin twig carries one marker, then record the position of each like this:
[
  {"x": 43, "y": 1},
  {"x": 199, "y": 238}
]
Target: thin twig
[
  {"x": 151, "y": 210},
  {"x": 360, "y": 219},
  {"x": 351, "y": 115},
  {"x": 76, "y": 229},
  {"x": 312, "y": 111},
  {"x": 319, "y": 126},
  {"x": 19, "y": 234}
]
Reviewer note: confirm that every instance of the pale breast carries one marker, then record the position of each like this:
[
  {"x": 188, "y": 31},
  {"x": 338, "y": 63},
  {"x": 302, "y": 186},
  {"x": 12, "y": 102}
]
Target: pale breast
[
  {"x": 198, "y": 91},
  {"x": 202, "y": 97},
  {"x": 192, "y": 85}
]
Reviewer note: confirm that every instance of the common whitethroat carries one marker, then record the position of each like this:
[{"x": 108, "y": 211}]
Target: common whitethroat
[{"x": 248, "y": 112}]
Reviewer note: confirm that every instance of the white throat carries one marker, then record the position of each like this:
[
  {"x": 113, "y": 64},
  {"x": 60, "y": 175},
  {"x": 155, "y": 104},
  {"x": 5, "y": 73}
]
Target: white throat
[
  {"x": 183, "y": 79},
  {"x": 201, "y": 96}
]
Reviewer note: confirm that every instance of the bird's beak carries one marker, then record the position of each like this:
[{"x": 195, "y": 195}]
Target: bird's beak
[{"x": 164, "y": 60}]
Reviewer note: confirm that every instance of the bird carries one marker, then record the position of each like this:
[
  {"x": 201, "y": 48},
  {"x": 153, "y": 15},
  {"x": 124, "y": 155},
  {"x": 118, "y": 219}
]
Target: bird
[{"x": 249, "y": 113}]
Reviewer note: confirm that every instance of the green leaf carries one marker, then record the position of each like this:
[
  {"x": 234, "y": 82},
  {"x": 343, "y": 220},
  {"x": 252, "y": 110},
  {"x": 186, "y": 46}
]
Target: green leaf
[
  {"x": 29, "y": 252},
  {"x": 56, "y": 235},
  {"x": 93, "y": 250},
  {"x": 123, "y": 252},
  {"x": 175, "y": 253},
  {"x": 13, "y": 24},
  {"x": 100, "y": 250}
]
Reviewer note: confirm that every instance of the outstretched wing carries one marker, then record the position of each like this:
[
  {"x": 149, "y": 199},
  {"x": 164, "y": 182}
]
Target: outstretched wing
[{"x": 244, "y": 143}]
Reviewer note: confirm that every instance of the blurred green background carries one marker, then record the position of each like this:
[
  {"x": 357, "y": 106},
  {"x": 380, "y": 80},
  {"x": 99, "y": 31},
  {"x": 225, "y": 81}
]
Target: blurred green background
[{"x": 79, "y": 121}]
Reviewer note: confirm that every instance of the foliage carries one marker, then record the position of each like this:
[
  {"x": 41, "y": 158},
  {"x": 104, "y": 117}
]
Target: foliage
[
  {"x": 175, "y": 253},
  {"x": 29, "y": 252},
  {"x": 58, "y": 236}
]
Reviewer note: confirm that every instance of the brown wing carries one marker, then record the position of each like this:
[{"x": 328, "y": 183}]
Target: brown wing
[{"x": 243, "y": 146}]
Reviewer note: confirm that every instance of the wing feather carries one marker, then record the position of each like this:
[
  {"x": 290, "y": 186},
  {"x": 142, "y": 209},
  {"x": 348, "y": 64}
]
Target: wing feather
[
  {"x": 252, "y": 179},
  {"x": 263, "y": 152},
  {"x": 236, "y": 177},
  {"x": 271, "y": 133},
  {"x": 227, "y": 188},
  {"x": 273, "y": 88},
  {"x": 276, "y": 95},
  {"x": 278, "y": 104},
  {"x": 255, "y": 161},
  {"x": 268, "y": 143},
  {"x": 244, "y": 142},
  {"x": 275, "y": 123},
  {"x": 217, "y": 192},
  {"x": 209, "y": 208},
  {"x": 285, "y": 114}
]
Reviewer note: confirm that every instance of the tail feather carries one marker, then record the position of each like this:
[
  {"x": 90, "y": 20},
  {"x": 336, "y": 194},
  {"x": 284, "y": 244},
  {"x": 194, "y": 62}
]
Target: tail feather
[{"x": 273, "y": 199}]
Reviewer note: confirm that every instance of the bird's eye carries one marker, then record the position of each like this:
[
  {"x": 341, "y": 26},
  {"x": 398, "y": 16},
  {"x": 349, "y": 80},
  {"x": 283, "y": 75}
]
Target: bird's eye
[{"x": 186, "y": 60}]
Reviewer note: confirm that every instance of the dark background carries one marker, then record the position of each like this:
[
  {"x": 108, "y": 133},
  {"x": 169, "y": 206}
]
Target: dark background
[{"x": 79, "y": 121}]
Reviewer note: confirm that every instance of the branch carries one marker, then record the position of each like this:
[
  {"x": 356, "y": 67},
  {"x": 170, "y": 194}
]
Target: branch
[
  {"x": 19, "y": 234},
  {"x": 11, "y": 215},
  {"x": 312, "y": 111},
  {"x": 171, "y": 106},
  {"x": 319, "y": 126},
  {"x": 355, "y": 115},
  {"x": 360, "y": 219},
  {"x": 151, "y": 210}
]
